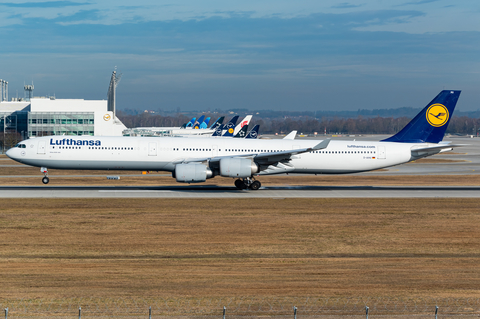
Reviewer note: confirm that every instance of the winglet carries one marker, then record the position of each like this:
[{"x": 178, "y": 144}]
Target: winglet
[
  {"x": 291, "y": 135},
  {"x": 323, "y": 144}
]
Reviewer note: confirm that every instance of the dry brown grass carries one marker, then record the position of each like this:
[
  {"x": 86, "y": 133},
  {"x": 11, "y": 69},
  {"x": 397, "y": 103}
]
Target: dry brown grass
[{"x": 57, "y": 248}]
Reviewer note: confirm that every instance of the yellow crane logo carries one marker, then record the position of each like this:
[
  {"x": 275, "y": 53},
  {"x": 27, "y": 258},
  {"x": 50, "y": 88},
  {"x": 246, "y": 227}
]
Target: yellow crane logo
[{"x": 437, "y": 115}]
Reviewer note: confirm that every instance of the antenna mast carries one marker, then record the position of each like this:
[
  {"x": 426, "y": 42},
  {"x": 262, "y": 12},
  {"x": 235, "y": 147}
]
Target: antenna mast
[{"x": 111, "y": 94}]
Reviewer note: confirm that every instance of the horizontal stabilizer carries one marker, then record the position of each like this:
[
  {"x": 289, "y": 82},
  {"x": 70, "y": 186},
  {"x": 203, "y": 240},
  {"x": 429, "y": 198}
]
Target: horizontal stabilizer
[
  {"x": 322, "y": 145},
  {"x": 427, "y": 151}
]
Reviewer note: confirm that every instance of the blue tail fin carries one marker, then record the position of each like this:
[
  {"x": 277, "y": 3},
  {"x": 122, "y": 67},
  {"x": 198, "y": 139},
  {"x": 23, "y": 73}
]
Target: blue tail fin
[
  {"x": 254, "y": 132},
  {"x": 430, "y": 124},
  {"x": 230, "y": 126},
  {"x": 218, "y": 130},
  {"x": 217, "y": 123},
  {"x": 190, "y": 123},
  {"x": 205, "y": 123},
  {"x": 197, "y": 123}
]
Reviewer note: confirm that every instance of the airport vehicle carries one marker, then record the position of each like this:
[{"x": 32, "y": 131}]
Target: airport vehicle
[{"x": 194, "y": 160}]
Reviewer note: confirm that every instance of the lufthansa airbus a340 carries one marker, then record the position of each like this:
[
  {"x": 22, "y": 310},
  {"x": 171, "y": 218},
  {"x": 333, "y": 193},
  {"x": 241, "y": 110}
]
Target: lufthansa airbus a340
[{"x": 194, "y": 160}]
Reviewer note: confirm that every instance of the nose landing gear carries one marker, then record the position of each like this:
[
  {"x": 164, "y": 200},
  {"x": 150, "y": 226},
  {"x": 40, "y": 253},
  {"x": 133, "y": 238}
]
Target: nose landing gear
[
  {"x": 45, "y": 178},
  {"x": 248, "y": 182}
]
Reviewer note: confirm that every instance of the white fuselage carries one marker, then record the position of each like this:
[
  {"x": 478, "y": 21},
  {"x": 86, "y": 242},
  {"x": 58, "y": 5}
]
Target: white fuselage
[{"x": 163, "y": 153}]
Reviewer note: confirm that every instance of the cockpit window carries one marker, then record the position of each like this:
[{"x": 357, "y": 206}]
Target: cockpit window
[{"x": 19, "y": 145}]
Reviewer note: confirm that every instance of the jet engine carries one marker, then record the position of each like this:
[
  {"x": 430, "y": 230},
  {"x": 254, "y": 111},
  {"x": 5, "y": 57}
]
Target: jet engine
[
  {"x": 237, "y": 167},
  {"x": 192, "y": 173}
]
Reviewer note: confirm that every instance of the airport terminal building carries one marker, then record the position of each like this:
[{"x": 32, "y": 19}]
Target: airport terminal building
[
  {"x": 42, "y": 116},
  {"x": 49, "y": 116}
]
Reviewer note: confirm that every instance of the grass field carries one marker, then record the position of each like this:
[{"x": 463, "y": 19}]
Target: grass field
[{"x": 104, "y": 248}]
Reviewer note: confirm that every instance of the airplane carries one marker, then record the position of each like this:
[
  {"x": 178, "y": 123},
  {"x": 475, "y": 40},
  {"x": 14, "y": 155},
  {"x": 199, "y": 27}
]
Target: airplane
[{"x": 196, "y": 160}]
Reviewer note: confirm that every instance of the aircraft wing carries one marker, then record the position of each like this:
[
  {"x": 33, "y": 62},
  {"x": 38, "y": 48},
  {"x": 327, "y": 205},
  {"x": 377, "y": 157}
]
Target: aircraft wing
[
  {"x": 260, "y": 158},
  {"x": 291, "y": 135},
  {"x": 275, "y": 157}
]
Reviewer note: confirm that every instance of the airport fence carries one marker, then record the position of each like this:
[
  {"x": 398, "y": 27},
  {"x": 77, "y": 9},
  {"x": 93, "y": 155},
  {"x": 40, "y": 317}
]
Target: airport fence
[{"x": 228, "y": 308}]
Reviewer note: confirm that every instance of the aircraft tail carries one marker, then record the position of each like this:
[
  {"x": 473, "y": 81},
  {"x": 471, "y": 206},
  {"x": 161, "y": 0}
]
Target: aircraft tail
[
  {"x": 197, "y": 123},
  {"x": 430, "y": 124},
  {"x": 190, "y": 123},
  {"x": 205, "y": 123},
  {"x": 242, "y": 123},
  {"x": 218, "y": 130},
  {"x": 230, "y": 126},
  {"x": 217, "y": 123},
  {"x": 253, "y": 132},
  {"x": 242, "y": 133}
]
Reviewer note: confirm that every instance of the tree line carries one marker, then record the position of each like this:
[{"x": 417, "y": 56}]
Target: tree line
[{"x": 307, "y": 125}]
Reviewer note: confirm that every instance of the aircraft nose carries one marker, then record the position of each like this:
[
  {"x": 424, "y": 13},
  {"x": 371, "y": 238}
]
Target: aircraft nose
[{"x": 11, "y": 153}]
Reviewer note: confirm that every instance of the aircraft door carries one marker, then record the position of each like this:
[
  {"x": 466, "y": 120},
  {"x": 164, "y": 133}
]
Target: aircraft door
[
  {"x": 381, "y": 152},
  {"x": 152, "y": 149},
  {"x": 41, "y": 147}
]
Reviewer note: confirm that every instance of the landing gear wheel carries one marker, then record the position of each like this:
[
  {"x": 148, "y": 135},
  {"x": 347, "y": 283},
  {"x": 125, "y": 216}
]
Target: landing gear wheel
[
  {"x": 240, "y": 184},
  {"x": 255, "y": 185},
  {"x": 45, "y": 180}
]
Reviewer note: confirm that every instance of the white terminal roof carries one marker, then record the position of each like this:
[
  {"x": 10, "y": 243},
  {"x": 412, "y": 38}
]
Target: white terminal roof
[
  {"x": 67, "y": 105},
  {"x": 105, "y": 123}
]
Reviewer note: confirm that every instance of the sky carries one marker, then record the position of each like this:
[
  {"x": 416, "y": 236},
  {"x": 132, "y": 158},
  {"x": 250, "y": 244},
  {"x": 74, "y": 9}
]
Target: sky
[{"x": 303, "y": 55}]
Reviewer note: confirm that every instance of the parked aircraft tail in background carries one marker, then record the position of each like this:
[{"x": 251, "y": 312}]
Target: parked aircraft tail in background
[{"x": 253, "y": 132}]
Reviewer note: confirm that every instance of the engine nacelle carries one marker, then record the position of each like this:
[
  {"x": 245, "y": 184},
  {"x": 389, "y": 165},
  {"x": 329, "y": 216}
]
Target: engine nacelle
[
  {"x": 192, "y": 173},
  {"x": 237, "y": 167}
]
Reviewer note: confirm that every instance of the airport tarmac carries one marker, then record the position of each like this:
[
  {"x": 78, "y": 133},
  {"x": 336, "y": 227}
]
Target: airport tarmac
[
  {"x": 232, "y": 192},
  {"x": 463, "y": 160}
]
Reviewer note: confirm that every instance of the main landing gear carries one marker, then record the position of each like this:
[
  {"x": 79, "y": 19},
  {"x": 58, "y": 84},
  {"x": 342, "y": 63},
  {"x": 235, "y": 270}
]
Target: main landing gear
[
  {"x": 249, "y": 183},
  {"x": 45, "y": 178}
]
